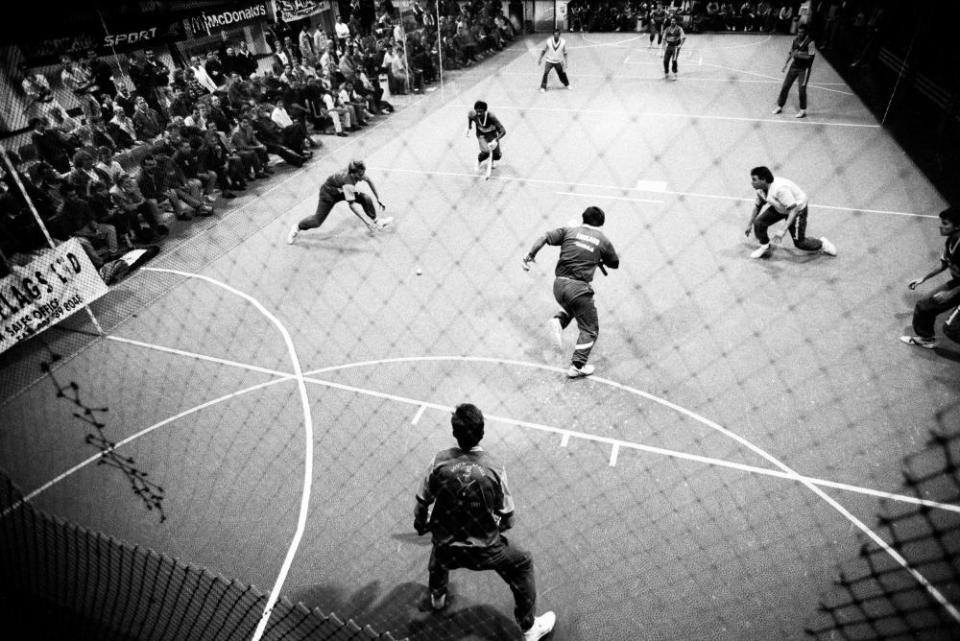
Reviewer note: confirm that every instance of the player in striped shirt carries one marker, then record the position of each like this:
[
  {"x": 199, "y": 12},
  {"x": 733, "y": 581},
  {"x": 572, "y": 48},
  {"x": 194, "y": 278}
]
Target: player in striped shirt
[
  {"x": 489, "y": 132},
  {"x": 583, "y": 248}
]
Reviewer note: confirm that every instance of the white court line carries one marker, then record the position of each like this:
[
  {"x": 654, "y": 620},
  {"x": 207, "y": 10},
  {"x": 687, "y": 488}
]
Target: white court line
[
  {"x": 785, "y": 471},
  {"x": 201, "y": 357},
  {"x": 308, "y": 441},
  {"x": 776, "y": 78},
  {"x": 685, "y": 194},
  {"x": 416, "y": 418},
  {"x": 803, "y": 122},
  {"x": 635, "y": 200},
  {"x": 613, "y": 454},
  {"x": 565, "y": 439}
]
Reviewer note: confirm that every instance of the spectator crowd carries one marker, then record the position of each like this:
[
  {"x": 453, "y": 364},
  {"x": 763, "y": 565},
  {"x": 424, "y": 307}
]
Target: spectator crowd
[{"x": 151, "y": 141}]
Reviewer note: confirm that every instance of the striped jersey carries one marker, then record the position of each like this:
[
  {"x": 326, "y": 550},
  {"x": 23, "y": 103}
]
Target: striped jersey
[{"x": 488, "y": 127}]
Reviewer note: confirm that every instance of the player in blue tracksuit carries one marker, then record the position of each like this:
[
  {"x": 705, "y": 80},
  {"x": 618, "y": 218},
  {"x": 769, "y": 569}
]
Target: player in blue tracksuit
[{"x": 582, "y": 249}]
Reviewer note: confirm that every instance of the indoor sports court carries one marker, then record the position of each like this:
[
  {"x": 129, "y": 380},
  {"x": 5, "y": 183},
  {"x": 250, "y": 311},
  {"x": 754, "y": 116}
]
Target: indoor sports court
[{"x": 756, "y": 457}]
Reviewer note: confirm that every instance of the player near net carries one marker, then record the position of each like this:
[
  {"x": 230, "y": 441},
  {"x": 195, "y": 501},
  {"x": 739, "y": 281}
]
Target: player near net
[
  {"x": 472, "y": 506},
  {"x": 342, "y": 186},
  {"x": 489, "y": 132},
  {"x": 583, "y": 248},
  {"x": 673, "y": 38}
]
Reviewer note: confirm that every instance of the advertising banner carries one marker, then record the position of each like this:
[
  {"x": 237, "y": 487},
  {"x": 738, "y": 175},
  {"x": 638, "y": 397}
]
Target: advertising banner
[
  {"x": 291, "y": 10},
  {"x": 42, "y": 293}
]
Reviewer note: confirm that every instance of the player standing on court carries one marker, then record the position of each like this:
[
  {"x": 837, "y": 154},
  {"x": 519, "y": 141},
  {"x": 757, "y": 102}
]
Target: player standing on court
[
  {"x": 781, "y": 199},
  {"x": 471, "y": 507},
  {"x": 674, "y": 37},
  {"x": 582, "y": 249},
  {"x": 655, "y": 24},
  {"x": 800, "y": 60},
  {"x": 944, "y": 297},
  {"x": 342, "y": 187},
  {"x": 555, "y": 50},
  {"x": 489, "y": 131}
]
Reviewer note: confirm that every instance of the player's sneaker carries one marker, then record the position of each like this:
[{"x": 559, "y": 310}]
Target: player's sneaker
[
  {"x": 292, "y": 236},
  {"x": 543, "y": 90},
  {"x": 827, "y": 247},
  {"x": 760, "y": 251},
  {"x": 556, "y": 331},
  {"x": 920, "y": 341},
  {"x": 477, "y": 166},
  {"x": 383, "y": 223},
  {"x": 801, "y": 114},
  {"x": 438, "y": 602},
  {"x": 578, "y": 372},
  {"x": 542, "y": 626},
  {"x": 777, "y": 110}
]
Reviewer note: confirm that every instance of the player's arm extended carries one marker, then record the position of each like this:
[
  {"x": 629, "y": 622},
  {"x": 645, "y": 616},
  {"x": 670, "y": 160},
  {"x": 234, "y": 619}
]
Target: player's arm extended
[
  {"x": 759, "y": 207},
  {"x": 537, "y": 246},
  {"x": 373, "y": 189}
]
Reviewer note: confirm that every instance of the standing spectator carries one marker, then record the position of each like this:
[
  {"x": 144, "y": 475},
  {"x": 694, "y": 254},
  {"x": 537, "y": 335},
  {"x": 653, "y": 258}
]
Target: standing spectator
[
  {"x": 946, "y": 296},
  {"x": 246, "y": 64},
  {"x": 555, "y": 50},
  {"x": 785, "y": 18},
  {"x": 305, "y": 43},
  {"x": 320, "y": 41},
  {"x": 342, "y": 31},
  {"x": 40, "y": 100},
  {"x": 81, "y": 84},
  {"x": 800, "y": 61},
  {"x": 472, "y": 507},
  {"x": 214, "y": 68},
  {"x": 781, "y": 199},
  {"x": 102, "y": 74},
  {"x": 582, "y": 249}
]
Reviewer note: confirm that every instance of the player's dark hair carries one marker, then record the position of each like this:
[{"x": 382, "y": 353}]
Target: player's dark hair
[
  {"x": 763, "y": 173},
  {"x": 356, "y": 166},
  {"x": 467, "y": 422},
  {"x": 594, "y": 216},
  {"x": 951, "y": 215},
  {"x": 478, "y": 105}
]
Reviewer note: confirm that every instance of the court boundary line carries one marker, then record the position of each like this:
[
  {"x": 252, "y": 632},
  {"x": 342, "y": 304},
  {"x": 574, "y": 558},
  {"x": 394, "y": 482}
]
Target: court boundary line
[
  {"x": 786, "y": 471},
  {"x": 685, "y": 194},
  {"x": 308, "y": 439}
]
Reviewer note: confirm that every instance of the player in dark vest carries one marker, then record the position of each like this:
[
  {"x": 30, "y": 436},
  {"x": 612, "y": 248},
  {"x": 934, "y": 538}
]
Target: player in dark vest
[
  {"x": 674, "y": 38},
  {"x": 800, "y": 60},
  {"x": 583, "y": 248},
  {"x": 489, "y": 132},
  {"x": 342, "y": 186}
]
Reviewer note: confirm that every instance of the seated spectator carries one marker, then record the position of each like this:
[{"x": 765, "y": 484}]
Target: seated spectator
[
  {"x": 244, "y": 139},
  {"x": 184, "y": 194},
  {"x": 124, "y": 123},
  {"x": 128, "y": 197},
  {"x": 351, "y": 102},
  {"x": 84, "y": 173},
  {"x": 187, "y": 158},
  {"x": 214, "y": 68},
  {"x": 50, "y": 146},
  {"x": 77, "y": 220},
  {"x": 251, "y": 167},
  {"x": 270, "y": 134},
  {"x": 107, "y": 166},
  {"x": 294, "y": 134},
  {"x": 146, "y": 120},
  {"x": 106, "y": 212},
  {"x": 196, "y": 119},
  {"x": 214, "y": 157}
]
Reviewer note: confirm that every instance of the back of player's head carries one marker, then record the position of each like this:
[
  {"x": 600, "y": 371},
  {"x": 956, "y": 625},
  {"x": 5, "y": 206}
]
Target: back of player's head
[
  {"x": 594, "y": 216},
  {"x": 356, "y": 167},
  {"x": 479, "y": 106},
  {"x": 467, "y": 422},
  {"x": 951, "y": 215},
  {"x": 763, "y": 173}
]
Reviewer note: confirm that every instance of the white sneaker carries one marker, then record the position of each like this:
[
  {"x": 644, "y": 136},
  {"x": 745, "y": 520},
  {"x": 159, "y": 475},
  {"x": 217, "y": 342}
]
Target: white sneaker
[
  {"x": 292, "y": 236},
  {"x": 920, "y": 341},
  {"x": 801, "y": 114},
  {"x": 438, "y": 602},
  {"x": 579, "y": 372},
  {"x": 760, "y": 251},
  {"x": 556, "y": 331},
  {"x": 477, "y": 166},
  {"x": 828, "y": 248},
  {"x": 384, "y": 222},
  {"x": 542, "y": 90},
  {"x": 542, "y": 626},
  {"x": 777, "y": 110}
]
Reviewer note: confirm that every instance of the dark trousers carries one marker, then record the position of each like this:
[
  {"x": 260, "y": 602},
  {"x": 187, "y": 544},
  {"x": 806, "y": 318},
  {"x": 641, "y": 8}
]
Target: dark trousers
[
  {"x": 793, "y": 73},
  {"x": 515, "y": 567},
  {"x": 670, "y": 55},
  {"x": 560, "y": 74},
  {"x": 798, "y": 229},
  {"x": 485, "y": 149},
  {"x": 576, "y": 299},
  {"x": 326, "y": 204},
  {"x": 926, "y": 310}
]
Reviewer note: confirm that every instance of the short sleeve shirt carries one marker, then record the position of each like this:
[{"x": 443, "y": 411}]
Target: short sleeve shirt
[
  {"x": 582, "y": 248},
  {"x": 339, "y": 186},
  {"x": 783, "y": 194}
]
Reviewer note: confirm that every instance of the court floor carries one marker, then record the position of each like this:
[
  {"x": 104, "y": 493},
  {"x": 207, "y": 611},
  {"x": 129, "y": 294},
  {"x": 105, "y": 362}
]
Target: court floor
[{"x": 746, "y": 423}]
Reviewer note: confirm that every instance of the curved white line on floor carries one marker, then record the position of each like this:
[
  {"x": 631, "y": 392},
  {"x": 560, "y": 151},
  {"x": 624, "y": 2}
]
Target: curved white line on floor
[{"x": 308, "y": 440}]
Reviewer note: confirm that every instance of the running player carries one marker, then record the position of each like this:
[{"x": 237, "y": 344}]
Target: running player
[
  {"x": 582, "y": 249},
  {"x": 673, "y": 37},
  {"x": 339, "y": 187},
  {"x": 489, "y": 132}
]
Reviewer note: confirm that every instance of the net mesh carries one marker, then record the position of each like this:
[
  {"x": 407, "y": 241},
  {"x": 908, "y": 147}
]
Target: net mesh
[{"x": 756, "y": 457}]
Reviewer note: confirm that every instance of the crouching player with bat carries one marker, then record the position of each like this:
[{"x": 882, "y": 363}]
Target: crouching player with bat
[
  {"x": 583, "y": 248},
  {"x": 489, "y": 133}
]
